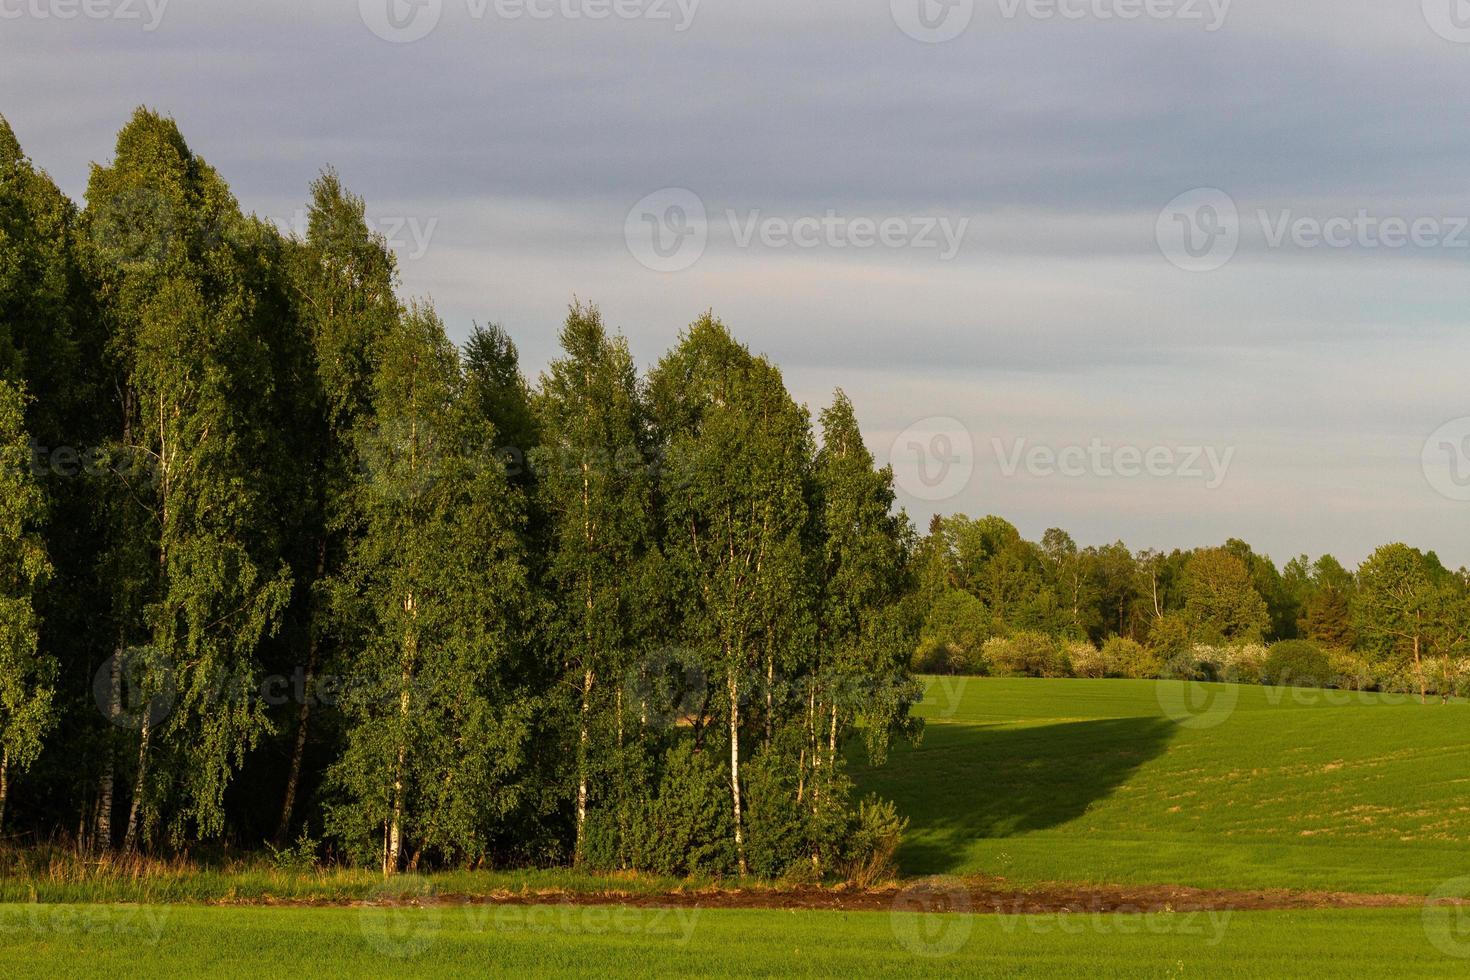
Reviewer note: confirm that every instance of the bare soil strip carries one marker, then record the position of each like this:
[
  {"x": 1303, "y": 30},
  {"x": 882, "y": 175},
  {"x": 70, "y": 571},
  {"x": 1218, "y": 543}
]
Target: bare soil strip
[{"x": 974, "y": 895}]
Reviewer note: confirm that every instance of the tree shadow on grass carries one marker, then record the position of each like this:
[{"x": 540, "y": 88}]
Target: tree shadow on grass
[{"x": 965, "y": 782}]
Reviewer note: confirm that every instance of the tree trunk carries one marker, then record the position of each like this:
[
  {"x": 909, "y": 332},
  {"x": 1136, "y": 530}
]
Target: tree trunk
[
  {"x": 1419, "y": 669},
  {"x": 104, "y": 794},
  {"x": 391, "y": 858},
  {"x": 298, "y": 752},
  {"x": 735, "y": 768},
  {"x": 583, "y": 738},
  {"x": 832, "y": 743},
  {"x": 816, "y": 742},
  {"x": 4, "y": 785},
  {"x": 130, "y": 839},
  {"x": 770, "y": 683}
]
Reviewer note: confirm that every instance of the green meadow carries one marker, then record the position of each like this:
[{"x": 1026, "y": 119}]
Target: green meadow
[
  {"x": 1063, "y": 781},
  {"x": 1162, "y": 782}
]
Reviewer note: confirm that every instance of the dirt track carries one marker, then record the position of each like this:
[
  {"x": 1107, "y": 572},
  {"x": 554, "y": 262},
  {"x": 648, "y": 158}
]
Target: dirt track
[{"x": 977, "y": 895}]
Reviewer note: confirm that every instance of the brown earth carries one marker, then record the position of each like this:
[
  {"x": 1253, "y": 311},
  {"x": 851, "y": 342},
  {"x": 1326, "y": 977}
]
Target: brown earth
[{"x": 976, "y": 895}]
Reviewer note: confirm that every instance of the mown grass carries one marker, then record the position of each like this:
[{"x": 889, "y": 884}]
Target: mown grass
[
  {"x": 1094, "y": 781},
  {"x": 102, "y": 941}
]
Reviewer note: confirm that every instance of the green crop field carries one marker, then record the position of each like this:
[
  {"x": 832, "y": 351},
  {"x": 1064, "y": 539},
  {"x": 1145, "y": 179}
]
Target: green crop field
[
  {"x": 1096, "y": 781},
  {"x": 105, "y": 941},
  {"x": 1121, "y": 782}
]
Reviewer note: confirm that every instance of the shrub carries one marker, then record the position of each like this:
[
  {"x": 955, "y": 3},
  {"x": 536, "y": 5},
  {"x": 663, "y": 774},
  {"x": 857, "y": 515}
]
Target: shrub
[
  {"x": 875, "y": 842},
  {"x": 1132, "y": 659},
  {"x": 1243, "y": 664},
  {"x": 1351, "y": 672},
  {"x": 1297, "y": 663},
  {"x": 1025, "y": 655},
  {"x": 1087, "y": 661},
  {"x": 297, "y": 858},
  {"x": 686, "y": 829},
  {"x": 777, "y": 828}
]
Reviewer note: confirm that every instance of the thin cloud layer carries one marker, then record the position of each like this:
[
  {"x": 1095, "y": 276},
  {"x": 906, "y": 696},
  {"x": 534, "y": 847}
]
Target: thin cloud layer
[{"x": 505, "y": 153}]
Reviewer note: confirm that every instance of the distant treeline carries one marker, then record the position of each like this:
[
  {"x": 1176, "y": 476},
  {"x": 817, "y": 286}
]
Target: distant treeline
[{"x": 994, "y": 602}]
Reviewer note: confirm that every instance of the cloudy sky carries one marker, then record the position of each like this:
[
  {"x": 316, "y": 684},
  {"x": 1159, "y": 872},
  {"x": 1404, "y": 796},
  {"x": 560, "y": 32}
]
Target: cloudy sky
[{"x": 1161, "y": 270}]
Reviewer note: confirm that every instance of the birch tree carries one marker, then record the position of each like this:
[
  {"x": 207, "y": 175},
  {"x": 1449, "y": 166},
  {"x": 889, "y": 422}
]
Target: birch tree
[
  {"x": 736, "y": 453},
  {"x": 595, "y": 487},
  {"x": 438, "y": 721},
  {"x": 344, "y": 277},
  {"x": 26, "y": 675},
  {"x": 193, "y": 587}
]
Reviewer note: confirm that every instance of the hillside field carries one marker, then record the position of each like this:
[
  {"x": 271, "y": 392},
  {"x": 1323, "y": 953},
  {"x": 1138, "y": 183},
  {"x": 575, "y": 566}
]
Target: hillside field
[{"x": 1252, "y": 787}]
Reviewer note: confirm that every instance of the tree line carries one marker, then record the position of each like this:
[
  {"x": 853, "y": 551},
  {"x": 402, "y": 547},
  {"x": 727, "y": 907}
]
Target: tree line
[
  {"x": 1399, "y": 622},
  {"x": 279, "y": 561}
]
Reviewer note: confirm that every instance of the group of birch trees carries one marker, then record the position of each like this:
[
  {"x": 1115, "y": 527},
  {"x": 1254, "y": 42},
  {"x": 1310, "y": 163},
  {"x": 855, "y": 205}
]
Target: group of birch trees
[{"x": 279, "y": 561}]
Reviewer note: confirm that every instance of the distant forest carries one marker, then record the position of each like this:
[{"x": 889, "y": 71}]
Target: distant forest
[{"x": 281, "y": 564}]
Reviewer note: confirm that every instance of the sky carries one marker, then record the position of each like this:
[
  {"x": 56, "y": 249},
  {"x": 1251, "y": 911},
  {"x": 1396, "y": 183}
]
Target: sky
[{"x": 1165, "y": 271}]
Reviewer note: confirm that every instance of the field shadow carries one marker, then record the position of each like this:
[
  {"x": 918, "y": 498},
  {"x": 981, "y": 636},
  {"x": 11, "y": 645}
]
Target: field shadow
[{"x": 965, "y": 782}]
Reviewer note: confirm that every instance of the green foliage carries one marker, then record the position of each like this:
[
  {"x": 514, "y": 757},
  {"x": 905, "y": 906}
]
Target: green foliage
[
  {"x": 953, "y": 636},
  {"x": 26, "y": 675},
  {"x": 685, "y": 827},
  {"x": 436, "y": 585},
  {"x": 1026, "y": 654},
  {"x": 297, "y": 858},
  {"x": 1297, "y": 663},
  {"x": 1129, "y": 658},
  {"x": 1220, "y": 599},
  {"x": 873, "y": 851}
]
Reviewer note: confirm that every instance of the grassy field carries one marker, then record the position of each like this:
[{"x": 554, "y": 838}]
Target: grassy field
[
  {"x": 1167, "y": 783},
  {"x": 1106, "y": 782},
  {"x": 104, "y": 941}
]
